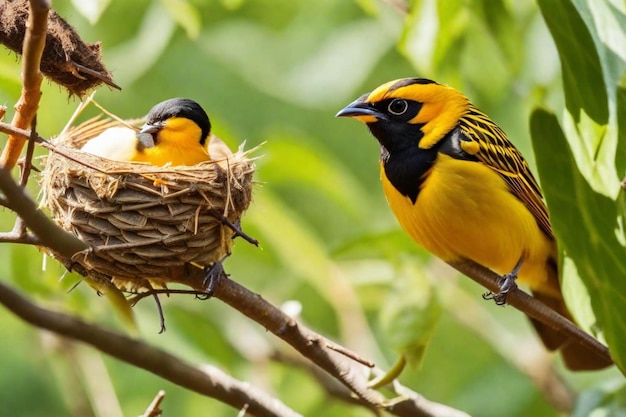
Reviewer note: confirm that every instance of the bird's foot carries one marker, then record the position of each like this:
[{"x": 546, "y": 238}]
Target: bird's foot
[
  {"x": 505, "y": 284},
  {"x": 212, "y": 275}
]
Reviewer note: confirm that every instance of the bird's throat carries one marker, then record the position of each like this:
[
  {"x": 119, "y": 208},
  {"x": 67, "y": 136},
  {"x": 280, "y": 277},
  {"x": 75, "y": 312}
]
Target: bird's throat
[{"x": 407, "y": 170}]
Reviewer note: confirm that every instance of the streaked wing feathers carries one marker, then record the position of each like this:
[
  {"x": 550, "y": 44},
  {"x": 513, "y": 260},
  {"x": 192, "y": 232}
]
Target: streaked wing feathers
[{"x": 497, "y": 152}]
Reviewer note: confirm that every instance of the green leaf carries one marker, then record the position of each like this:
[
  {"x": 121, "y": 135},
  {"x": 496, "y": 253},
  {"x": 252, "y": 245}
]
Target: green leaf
[
  {"x": 390, "y": 244},
  {"x": 583, "y": 77},
  {"x": 119, "y": 302},
  {"x": 302, "y": 254},
  {"x": 504, "y": 28},
  {"x": 589, "y": 228},
  {"x": 423, "y": 41},
  {"x": 620, "y": 154},
  {"x": 145, "y": 47},
  {"x": 297, "y": 70},
  {"x": 232, "y": 4},
  {"x": 411, "y": 313},
  {"x": 185, "y": 15},
  {"x": 91, "y": 9},
  {"x": 593, "y": 147},
  {"x": 606, "y": 402},
  {"x": 493, "y": 79},
  {"x": 303, "y": 166}
]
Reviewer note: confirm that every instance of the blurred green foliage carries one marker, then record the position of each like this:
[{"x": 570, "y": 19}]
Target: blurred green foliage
[
  {"x": 579, "y": 164},
  {"x": 274, "y": 72}
]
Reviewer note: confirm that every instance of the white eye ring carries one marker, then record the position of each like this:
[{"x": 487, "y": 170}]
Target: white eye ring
[{"x": 397, "y": 106}]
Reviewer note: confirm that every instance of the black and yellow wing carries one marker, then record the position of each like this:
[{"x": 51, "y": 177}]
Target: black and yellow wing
[{"x": 488, "y": 144}]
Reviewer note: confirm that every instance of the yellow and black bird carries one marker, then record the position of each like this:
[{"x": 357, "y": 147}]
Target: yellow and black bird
[
  {"x": 461, "y": 190},
  {"x": 176, "y": 132}
]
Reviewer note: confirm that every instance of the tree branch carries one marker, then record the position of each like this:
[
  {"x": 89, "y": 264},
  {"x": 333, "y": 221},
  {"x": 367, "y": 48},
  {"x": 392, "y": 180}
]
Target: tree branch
[
  {"x": 529, "y": 357},
  {"x": 331, "y": 386},
  {"x": 207, "y": 381},
  {"x": 316, "y": 348},
  {"x": 531, "y": 306},
  {"x": 47, "y": 232},
  {"x": 26, "y": 107}
]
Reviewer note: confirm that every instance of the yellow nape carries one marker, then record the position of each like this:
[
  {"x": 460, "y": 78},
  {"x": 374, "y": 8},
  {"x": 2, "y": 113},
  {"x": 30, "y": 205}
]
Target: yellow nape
[
  {"x": 177, "y": 143},
  {"x": 466, "y": 210}
]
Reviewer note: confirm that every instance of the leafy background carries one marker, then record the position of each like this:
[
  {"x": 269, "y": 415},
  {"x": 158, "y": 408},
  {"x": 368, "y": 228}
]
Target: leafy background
[{"x": 276, "y": 72}]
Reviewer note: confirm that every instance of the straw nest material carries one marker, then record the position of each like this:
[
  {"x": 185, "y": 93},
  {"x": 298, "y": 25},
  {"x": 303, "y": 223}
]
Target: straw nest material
[{"x": 145, "y": 224}]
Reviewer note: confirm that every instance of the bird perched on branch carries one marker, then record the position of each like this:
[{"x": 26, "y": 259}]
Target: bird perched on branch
[
  {"x": 176, "y": 132},
  {"x": 461, "y": 190}
]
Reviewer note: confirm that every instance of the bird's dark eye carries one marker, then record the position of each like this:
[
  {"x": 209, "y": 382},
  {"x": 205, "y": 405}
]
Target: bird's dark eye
[{"x": 397, "y": 106}]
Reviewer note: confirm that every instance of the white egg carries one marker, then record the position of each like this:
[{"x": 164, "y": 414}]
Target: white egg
[{"x": 117, "y": 143}]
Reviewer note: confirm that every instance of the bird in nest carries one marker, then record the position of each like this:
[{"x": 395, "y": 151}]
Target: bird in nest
[{"x": 176, "y": 132}]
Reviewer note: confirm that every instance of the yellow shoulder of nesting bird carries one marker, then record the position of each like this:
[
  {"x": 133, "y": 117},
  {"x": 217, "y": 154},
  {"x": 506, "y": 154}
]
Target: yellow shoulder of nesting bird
[
  {"x": 176, "y": 132},
  {"x": 462, "y": 190}
]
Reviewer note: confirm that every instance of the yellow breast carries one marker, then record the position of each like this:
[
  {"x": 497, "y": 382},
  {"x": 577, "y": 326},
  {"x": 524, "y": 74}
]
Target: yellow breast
[
  {"x": 465, "y": 210},
  {"x": 173, "y": 155},
  {"x": 177, "y": 143}
]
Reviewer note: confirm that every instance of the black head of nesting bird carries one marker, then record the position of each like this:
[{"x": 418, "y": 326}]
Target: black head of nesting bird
[{"x": 175, "y": 115}]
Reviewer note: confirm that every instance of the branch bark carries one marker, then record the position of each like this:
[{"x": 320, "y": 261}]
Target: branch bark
[
  {"x": 208, "y": 381},
  {"x": 322, "y": 352},
  {"x": 530, "y": 306},
  {"x": 26, "y": 107}
]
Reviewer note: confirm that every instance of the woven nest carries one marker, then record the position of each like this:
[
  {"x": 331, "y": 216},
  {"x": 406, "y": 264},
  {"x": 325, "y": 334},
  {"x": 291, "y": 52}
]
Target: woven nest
[{"x": 144, "y": 223}]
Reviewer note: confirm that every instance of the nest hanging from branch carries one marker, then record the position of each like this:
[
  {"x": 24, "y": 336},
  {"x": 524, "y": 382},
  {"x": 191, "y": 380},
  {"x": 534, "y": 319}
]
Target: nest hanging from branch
[{"x": 145, "y": 224}]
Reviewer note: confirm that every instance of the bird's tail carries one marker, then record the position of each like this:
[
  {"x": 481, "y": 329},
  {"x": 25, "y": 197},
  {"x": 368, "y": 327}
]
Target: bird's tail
[{"x": 576, "y": 356}]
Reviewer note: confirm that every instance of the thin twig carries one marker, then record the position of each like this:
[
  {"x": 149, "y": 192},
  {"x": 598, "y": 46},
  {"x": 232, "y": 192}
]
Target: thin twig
[
  {"x": 27, "y": 164},
  {"x": 331, "y": 386},
  {"x": 16, "y": 131},
  {"x": 138, "y": 296},
  {"x": 153, "y": 409},
  {"x": 236, "y": 228},
  {"x": 160, "y": 311},
  {"x": 26, "y": 107},
  {"x": 19, "y": 236},
  {"x": 207, "y": 381},
  {"x": 243, "y": 411},
  {"x": 19, "y": 229},
  {"x": 108, "y": 81},
  {"x": 350, "y": 355}
]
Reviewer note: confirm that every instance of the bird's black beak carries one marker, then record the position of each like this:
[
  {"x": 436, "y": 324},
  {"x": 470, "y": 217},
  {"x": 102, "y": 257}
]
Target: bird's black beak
[
  {"x": 151, "y": 128},
  {"x": 146, "y": 140},
  {"x": 147, "y": 135},
  {"x": 362, "y": 111}
]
